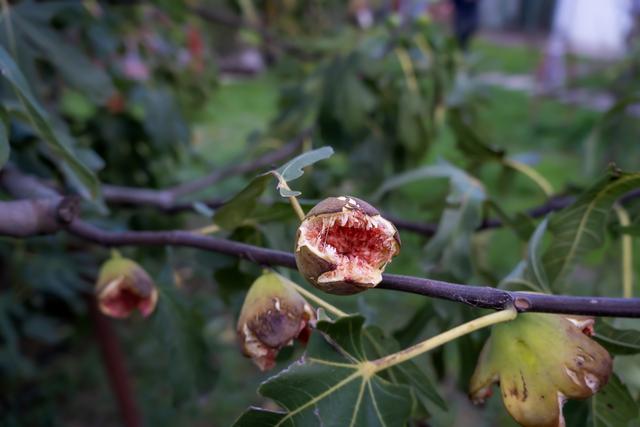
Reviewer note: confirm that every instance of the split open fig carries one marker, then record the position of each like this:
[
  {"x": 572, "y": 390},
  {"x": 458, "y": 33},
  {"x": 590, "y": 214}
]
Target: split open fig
[{"x": 343, "y": 245}]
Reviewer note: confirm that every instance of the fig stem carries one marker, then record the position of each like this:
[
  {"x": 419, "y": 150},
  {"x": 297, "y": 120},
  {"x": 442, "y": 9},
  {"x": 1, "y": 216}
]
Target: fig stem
[
  {"x": 627, "y": 252},
  {"x": 318, "y": 301},
  {"x": 532, "y": 174},
  {"x": 443, "y": 338},
  {"x": 292, "y": 199}
]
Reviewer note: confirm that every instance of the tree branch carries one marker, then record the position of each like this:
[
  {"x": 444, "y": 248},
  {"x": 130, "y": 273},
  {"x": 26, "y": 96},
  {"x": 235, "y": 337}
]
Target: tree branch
[
  {"x": 168, "y": 199},
  {"x": 115, "y": 367},
  {"x": 475, "y": 296}
]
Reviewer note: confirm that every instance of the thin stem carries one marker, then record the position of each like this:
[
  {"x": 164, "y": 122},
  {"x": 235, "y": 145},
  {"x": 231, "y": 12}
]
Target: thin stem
[
  {"x": 427, "y": 345},
  {"x": 292, "y": 199},
  {"x": 627, "y": 252},
  {"x": 407, "y": 68},
  {"x": 209, "y": 229},
  {"x": 532, "y": 174},
  {"x": 318, "y": 301}
]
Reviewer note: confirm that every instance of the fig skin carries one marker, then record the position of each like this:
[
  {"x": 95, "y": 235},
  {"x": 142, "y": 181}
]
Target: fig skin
[
  {"x": 312, "y": 266},
  {"x": 540, "y": 361},
  {"x": 124, "y": 286},
  {"x": 272, "y": 316}
]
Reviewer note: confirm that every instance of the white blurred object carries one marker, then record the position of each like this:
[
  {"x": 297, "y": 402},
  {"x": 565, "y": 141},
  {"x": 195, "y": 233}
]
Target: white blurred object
[{"x": 592, "y": 28}]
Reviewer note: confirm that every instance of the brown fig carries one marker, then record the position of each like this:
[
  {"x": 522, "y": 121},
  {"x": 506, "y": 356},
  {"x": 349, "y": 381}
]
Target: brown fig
[
  {"x": 124, "y": 286},
  {"x": 343, "y": 245},
  {"x": 272, "y": 316}
]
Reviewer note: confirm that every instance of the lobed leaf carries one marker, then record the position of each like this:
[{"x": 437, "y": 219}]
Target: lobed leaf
[{"x": 332, "y": 386}]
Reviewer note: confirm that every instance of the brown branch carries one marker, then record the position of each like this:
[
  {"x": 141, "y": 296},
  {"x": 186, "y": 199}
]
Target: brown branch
[
  {"x": 476, "y": 296},
  {"x": 115, "y": 366},
  {"x": 168, "y": 199},
  {"x": 31, "y": 217}
]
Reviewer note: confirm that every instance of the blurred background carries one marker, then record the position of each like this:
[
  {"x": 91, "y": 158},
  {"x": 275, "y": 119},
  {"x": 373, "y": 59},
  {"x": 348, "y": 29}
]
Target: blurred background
[{"x": 534, "y": 99}]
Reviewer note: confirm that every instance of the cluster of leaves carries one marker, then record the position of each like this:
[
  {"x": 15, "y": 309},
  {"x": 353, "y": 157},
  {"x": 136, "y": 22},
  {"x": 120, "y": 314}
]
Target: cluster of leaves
[{"x": 90, "y": 93}]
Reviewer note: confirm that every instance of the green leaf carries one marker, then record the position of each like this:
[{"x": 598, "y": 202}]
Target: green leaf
[
  {"x": 233, "y": 213},
  {"x": 591, "y": 152},
  {"x": 469, "y": 141},
  {"x": 580, "y": 228},
  {"x": 330, "y": 386},
  {"x": 450, "y": 247},
  {"x": 522, "y": 224},
  {"x": 292, "y": 170},
  {"x": 73, "y": 65},
  {"x": 377, "y": 345},
  {"x": 633, "y": 229},
  {"x": 5, "y": 148},
  {"x": 179, "y": 328},
  {"x": 530, "y": 272},
  {"x": 617, "y": 341},
  {"x": 42, "y": 123},
  {"x": 613, "y": 406}
]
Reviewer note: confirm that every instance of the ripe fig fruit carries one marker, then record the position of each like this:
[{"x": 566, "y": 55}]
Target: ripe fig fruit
[
  {"x": 540, "y": 361},
  {"x": 343, "y": 245},
  {"x": 124, "y": 286},
  {"x": 272, "y": 316}
]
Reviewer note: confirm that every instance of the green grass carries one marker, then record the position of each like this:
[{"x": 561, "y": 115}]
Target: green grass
[
  {"x": 236, "y": 109},
  {"x": 519, "y": 59}
]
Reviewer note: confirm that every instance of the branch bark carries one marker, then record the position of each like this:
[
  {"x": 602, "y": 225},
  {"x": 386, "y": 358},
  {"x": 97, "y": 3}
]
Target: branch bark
[
  {"x": 168, "y": 199},
  {"x": 476, "y": 296},
  {"x": 115, "y": 366}
]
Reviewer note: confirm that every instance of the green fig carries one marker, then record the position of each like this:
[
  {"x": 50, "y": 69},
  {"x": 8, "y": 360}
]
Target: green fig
[
  {"x": 343, "y": 245},
  {"x": 540, "y": 361}
]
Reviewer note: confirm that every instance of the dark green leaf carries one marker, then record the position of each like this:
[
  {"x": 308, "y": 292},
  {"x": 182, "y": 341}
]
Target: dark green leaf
[
  {"x": 235, "y": 211},
  {"x": 179, "y": 330},
  {"x": 617, "y": 341},
  {"x": 469, "y": 141},
  {"x": 613, "y": 406},
  {"x": 633, "y": 229},
  {"x": 377, "y": 345},
  {"x": 43, "y": 125},
  {"x": 580, "y": 227},
  {"x": 328, "y": 386},
  {"x": 75, "y": 67}
]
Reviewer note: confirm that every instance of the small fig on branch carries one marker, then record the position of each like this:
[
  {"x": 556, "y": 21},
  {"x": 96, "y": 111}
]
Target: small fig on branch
[
  {"x": 272, "y": 316},
  {"x": 540, "y": 361},
  {"x": 343, "y": 245},
  {"x": 124, "y": 286}
]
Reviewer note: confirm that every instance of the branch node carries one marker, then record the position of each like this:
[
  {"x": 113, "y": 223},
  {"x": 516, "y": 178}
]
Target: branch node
[
  {"x": 68, "y": 209},
  {"x": 522, "y": 303}
]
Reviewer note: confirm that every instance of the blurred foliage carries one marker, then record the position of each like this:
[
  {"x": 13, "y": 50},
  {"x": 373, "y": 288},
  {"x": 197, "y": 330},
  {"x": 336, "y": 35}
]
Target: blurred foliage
[{"x": 99, "y": 93}]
